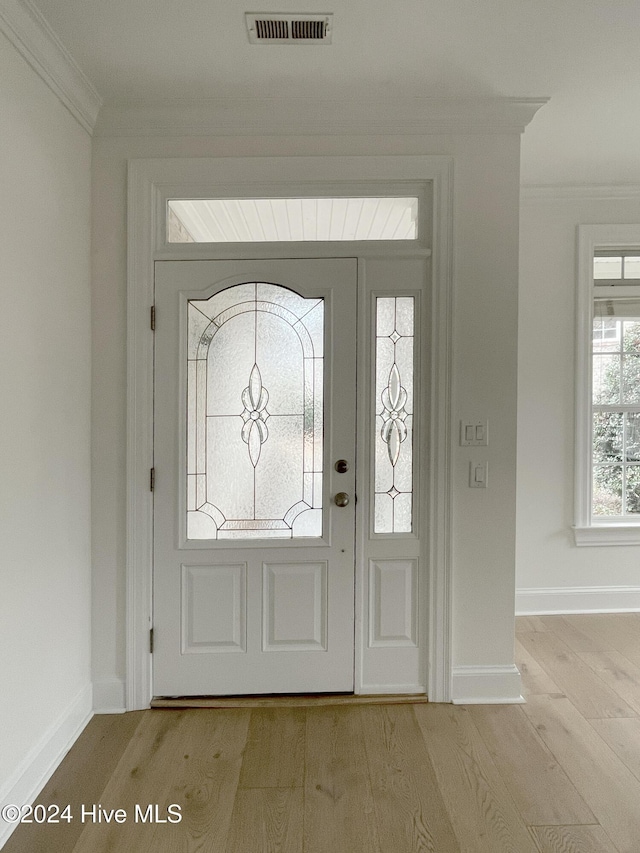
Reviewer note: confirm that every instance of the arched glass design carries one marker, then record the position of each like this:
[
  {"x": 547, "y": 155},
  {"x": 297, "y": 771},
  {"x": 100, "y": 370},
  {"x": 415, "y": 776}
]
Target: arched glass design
[{"x": 255, "y": 414}]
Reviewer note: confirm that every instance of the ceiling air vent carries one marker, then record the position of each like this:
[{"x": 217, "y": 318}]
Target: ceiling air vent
[{"x": 267, "y": 28}]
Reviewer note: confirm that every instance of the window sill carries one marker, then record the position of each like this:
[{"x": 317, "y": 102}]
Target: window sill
[{"x": 607, "y": 534}]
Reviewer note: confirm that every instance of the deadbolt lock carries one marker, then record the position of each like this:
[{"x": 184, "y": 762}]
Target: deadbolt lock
[{"x": 341, "y": 466}]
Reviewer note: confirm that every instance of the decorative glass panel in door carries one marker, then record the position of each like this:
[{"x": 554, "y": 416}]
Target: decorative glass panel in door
[{"x": 255, "y": 414}]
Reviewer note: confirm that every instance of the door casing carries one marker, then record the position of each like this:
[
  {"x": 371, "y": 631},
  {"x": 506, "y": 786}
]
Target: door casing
[{"x": 151, "y": 182}]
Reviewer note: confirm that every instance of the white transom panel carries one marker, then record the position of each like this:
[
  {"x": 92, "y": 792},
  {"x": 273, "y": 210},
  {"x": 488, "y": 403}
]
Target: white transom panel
[{"x": 260, "y": 220}]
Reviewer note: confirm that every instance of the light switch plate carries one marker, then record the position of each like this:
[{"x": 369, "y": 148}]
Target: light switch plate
[
  {"x": 478, "y": 475},
  {"x": 474, "y": 433}
]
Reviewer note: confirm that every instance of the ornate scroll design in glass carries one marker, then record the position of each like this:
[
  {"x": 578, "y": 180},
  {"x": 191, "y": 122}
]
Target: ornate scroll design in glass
[
  {"x": 255, "y": 432},
  {"x": 394, "y": 414},
  {"x": 254, "y": 472},
  {"x": 394, "y": 365}
]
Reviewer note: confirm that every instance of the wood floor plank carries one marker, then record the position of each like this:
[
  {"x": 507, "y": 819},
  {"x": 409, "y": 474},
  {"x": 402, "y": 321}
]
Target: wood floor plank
[
  {"x": 339, "y": 809},
  {"x": 608, "y": 787},
  {"x": 81, "y": 778},
  {"x": 623, "y": 736},
  {"x": 205, "y": 784},
  {"x": 190, "y": 758},
  {"x": 543, "y": 793},
  {"x": 484, "y": 816},
  {"x": 266, "y": 820},
  {"x": 573, "y": 637},
  {"x": 410, "y": 812},
  {"x": 572, "y": 839},
  {"x": 593, "y": 698},
  {"x": 616, "y": 670},
  {"x": 617, "y": 634},
  {"x": 529, "y": 623},
  {"x": 274, "y": 754},
  {"x": 535, "y": 679}
]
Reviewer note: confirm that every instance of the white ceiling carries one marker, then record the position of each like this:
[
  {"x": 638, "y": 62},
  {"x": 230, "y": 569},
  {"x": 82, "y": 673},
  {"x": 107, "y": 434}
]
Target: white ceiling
[{"x": 584, "y": 54}]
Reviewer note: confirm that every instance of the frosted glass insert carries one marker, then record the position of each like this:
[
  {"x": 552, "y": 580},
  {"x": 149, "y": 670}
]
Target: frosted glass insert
[
  {"x": 254, "y": 414},
  {"x": 393, "y": 440}
]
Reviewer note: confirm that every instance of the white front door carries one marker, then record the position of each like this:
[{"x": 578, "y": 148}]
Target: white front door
[{"x": 255, "y": 406}]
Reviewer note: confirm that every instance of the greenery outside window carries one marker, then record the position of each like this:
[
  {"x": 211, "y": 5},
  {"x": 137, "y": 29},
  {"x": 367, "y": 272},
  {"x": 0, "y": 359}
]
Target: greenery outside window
[{"x": 615, "y": 391}]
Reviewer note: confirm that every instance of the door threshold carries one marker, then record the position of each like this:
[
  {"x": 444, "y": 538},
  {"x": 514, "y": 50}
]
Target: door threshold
[{"x": 302, "y": 700}]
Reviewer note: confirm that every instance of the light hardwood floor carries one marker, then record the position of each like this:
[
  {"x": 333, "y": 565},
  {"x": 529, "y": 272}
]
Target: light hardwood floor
[{"x": 560, "y": 774}]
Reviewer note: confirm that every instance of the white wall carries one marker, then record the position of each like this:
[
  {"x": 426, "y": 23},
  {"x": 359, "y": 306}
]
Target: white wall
[
  {"x": 586, "y": 134},
  {"x": 486, "y": 271},
  {"x": 552, "y": 573},
  {"x": 45, "y": 160}
]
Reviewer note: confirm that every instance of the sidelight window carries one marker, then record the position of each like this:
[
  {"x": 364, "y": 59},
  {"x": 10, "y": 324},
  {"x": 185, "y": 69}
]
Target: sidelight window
[{"x": 393, "y": 440}]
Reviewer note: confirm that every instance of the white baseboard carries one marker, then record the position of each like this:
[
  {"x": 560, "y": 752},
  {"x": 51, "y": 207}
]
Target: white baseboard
[
  {"x": 541, "y": 601},
  {"x": 37, "y": 767},
  {"x": 109, "y": 696},
  {"x": 486, "y": 685}
]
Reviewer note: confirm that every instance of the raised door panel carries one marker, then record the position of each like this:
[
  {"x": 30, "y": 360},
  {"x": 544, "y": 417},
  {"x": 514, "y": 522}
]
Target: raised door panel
[
  {"x": 393, "y": 602},
  {"x": 214, "y": 606},
  {"x": 295, "y": 606}
]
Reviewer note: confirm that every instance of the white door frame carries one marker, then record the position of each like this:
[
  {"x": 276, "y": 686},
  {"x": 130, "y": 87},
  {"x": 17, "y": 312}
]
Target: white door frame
[{"x": 149, "y": 183}]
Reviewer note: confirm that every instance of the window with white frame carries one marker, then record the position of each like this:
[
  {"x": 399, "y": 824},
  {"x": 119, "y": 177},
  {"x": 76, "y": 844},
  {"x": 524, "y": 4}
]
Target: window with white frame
[
  {"x": 608, "y": 394},
  {"x": 615, "y": 396}
]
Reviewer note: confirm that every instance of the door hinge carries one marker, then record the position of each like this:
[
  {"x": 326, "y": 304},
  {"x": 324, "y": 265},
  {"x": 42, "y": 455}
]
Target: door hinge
[
  {"x": 153, "y": 318},
  {"x": 151, "y": 641},
  {"x": 152, "y": 479}
]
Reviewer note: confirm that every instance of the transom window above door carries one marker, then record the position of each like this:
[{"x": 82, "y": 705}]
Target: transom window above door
[{"x": 260, "y": 220}]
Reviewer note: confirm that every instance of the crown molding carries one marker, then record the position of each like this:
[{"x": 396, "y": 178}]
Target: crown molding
[
  {"x": 28, "y": 31},
  {"x": 579, "y": 191},
  {"x": 307, "y": 117}
]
